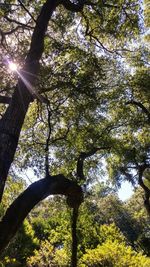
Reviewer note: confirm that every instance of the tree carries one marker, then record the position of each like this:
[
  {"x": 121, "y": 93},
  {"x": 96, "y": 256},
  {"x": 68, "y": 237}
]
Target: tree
[
  {"x": 10, "y": 128},
  {"x": 67, "y": 76},
  {"x": 45, "y": 237},
  {"x": 142, "y": 219}
]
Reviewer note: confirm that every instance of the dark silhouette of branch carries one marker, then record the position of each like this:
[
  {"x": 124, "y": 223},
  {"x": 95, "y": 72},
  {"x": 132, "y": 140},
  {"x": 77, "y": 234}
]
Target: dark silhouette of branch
[
  {"x": 11, "y": 31},
  {"x": 76, "y": 7},
  {"x": 20, "y": 25},
  {"x": 47, "y": 141},
  {"x": 63, "y": 137},
  {"x": 26, "y": 10},
  {"x": 18, "y": 22},
  {"x": 141, "y": 170},
  {"x": 140, "y": 105},
  {"x": 82, "y": 157},
  {"x": 71, "y": 6},
  {"x": 89, "y": 32},
  {"x": 19, "y": 209},
  {"x": 5, "y": 99},
  {"x": 74, "y": 237}
]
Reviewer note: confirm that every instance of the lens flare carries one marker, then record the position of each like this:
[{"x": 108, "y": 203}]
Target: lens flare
[{"x": 13, "y": 66}]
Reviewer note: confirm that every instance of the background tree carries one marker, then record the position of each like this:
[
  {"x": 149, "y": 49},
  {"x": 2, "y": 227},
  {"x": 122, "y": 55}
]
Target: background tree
[{"x": 104, "y": 222}]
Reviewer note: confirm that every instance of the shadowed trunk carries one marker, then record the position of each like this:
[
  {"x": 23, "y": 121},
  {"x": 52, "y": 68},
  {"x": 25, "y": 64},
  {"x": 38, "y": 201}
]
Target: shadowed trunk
[
  {"x": 145, "y": 188},
  {"x": 74, "y": 237},
  {"x": 12, "y": 121},
  {"x": 10, "y": 128}
]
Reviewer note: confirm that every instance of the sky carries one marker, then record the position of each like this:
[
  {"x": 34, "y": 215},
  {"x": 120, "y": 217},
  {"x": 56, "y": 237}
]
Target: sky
[{"x": 126, "y": 191}]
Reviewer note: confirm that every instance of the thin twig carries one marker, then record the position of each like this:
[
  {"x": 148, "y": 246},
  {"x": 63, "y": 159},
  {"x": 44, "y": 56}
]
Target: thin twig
[{"x": 27, "y": 10}]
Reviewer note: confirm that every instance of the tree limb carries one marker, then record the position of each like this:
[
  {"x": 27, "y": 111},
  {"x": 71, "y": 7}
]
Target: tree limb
[
  {"x": 82, "y": 157},
  {"x": 74, "y": 237},
  {"x": 77, "y": 7},
  {"x": 26, "y": 10},
  {"x": 140, "y": 105},
  {"x": 18, "y": 22},
  {"x": 5, "y": 99},
  {"x": 36, "y": 192},
  {"x": 145, "y": 188}
]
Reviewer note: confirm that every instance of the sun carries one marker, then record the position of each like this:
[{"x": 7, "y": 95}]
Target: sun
[{"x": 12, "y": 66}]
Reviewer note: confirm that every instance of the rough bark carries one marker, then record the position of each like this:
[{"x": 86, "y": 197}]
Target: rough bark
[
  {"x": 36, "y": 192},
  {"x": 12, "y": 121}
]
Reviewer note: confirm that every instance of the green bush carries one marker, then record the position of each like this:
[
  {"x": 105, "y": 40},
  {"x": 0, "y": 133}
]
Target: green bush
[
  {"x": 113, "y": 254},
  {"x": 47, "y": 255}
]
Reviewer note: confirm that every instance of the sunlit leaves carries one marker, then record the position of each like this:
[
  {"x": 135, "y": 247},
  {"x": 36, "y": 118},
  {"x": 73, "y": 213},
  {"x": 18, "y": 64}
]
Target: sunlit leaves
[
  {"x": 111, "y": 23},
  {"x": 113, "y": 254}
]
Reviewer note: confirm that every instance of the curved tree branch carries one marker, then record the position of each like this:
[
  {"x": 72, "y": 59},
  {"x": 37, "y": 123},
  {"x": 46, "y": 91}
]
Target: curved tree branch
[
  {"x": 19, "y": 209},
  {"x": 82, "y": 157}
]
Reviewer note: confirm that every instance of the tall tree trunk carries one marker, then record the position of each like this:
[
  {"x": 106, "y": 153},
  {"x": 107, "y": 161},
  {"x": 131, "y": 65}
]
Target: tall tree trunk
[
  {"x": 12, "y": 121},
  {"x": 10, "y": 127},
  {"x": 74, "y": 237}
]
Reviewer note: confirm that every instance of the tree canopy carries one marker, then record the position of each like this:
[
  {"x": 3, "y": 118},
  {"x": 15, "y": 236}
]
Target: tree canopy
[{"x": 75, "y": 108}]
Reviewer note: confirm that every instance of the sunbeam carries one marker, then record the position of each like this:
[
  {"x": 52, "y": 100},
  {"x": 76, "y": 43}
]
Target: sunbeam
[
  {"x": 14, "y": 67},
  {"x": 29, "y": 86}
]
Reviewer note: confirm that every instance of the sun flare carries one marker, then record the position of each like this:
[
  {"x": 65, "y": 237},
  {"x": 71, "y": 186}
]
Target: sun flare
[{"x": 13, "y": 66}]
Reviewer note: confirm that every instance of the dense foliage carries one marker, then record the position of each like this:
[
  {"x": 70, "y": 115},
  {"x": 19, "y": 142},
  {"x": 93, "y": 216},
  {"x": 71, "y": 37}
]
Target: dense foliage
[
  {"x": 75, "y": 112},
  {"x": 110, "y": 233}
]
